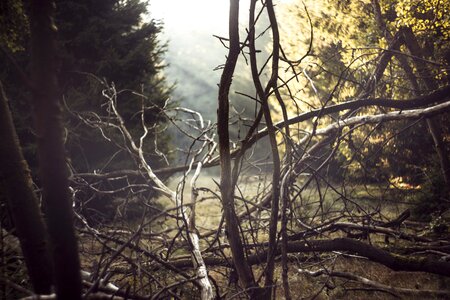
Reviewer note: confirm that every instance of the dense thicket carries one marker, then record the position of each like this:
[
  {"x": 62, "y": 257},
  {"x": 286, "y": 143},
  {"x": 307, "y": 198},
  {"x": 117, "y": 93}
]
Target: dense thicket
[
  {"x": 108, "y": 39},
  {"x": 360, "y": 49},
  {"x": 99, "y": 42}
]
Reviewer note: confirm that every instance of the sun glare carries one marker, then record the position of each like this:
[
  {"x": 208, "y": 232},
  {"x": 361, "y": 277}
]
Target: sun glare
[{"x": 181, "y": 15}]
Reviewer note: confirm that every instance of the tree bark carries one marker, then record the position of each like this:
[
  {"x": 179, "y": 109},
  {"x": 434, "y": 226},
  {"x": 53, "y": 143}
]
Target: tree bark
[
  {"x": 276, "y": 173},
  {"x": 393, "y": 261},
  {"x": 415, "y": 49},
  {"x": 438, "y": 96},
  {"x": 263, "y": 95},
  {"x": 226, "y": 185},
  {"x": 52, "y": 164},
  {"x": 383, "y": 61},
  {"x": 398, "y": 55},
  {"x": 23, "y": 203}
]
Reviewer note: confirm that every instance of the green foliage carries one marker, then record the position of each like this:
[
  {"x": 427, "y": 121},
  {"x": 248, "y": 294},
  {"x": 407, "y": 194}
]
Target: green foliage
[
  {"x": 431, "y": 201},
  {"x": 347, "y": 47},
  {"x": 430, "y": 23},
  {"x": 14, "y": 26},
  {"x": 14, "y": 35},
  {"x": 110, "y": 40},
  {"x": 426, "y": 18}
]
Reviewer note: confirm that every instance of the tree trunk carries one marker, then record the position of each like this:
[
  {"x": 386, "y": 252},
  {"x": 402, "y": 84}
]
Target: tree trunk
[
  {"x": 226, "y": 184},
  {"x": 276, "y": 173},
  {"x": 398, "y": 55},
  {"x": 415, "y": 49},
  {"x": 52, "y": 164},
  {"x": 23, "y": 204}
]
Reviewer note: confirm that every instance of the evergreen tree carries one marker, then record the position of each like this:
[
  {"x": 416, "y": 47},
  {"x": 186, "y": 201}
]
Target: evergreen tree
[
  {"x": 110, "y": 40},
  {"x": 106, "y": 39}
]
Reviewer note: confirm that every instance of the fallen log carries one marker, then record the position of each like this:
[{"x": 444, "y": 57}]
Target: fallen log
[{"x": 393, "y": 261}]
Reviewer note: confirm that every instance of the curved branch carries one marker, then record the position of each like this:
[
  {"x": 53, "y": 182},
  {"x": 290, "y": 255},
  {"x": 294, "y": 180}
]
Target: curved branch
[
  {"x": 226, "y": 184},
  {"x": 393, "y": 261},
  {"x": 438, "y": 96},
  {"x": 392, "y": 116}
]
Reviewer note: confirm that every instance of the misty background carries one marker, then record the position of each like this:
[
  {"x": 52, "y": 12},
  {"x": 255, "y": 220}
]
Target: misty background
[{"x": 195, "y": 56}]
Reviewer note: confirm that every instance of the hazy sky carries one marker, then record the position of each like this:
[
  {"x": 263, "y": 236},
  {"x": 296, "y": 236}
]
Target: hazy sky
[
  {"x": 193, "y": 52},
  {"x": 192, "y": 16}
]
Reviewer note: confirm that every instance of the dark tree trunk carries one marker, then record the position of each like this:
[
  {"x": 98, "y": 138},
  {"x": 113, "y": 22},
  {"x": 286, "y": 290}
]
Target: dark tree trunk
[
  {"x": 23, "y": 204},
  {"x": 414, "y": 48},
  {"x": 398, "y": 55},
  {"x": 424, "y": 72},
  {"x": 276, "y": 174},
  {"x": 52, "y": 164},
  {"x": 226, "y": 184}
]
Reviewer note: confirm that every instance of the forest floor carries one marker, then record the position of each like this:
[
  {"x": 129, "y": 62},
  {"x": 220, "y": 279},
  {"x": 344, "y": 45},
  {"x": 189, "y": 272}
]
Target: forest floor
[
  {"x": 303, "y": 285},
  {"x": 307, "y": 287}
]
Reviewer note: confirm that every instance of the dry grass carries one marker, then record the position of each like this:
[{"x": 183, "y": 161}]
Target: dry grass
[
  {"x": 303, "y": 286},
  {"x": 306, "y": 287}
]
